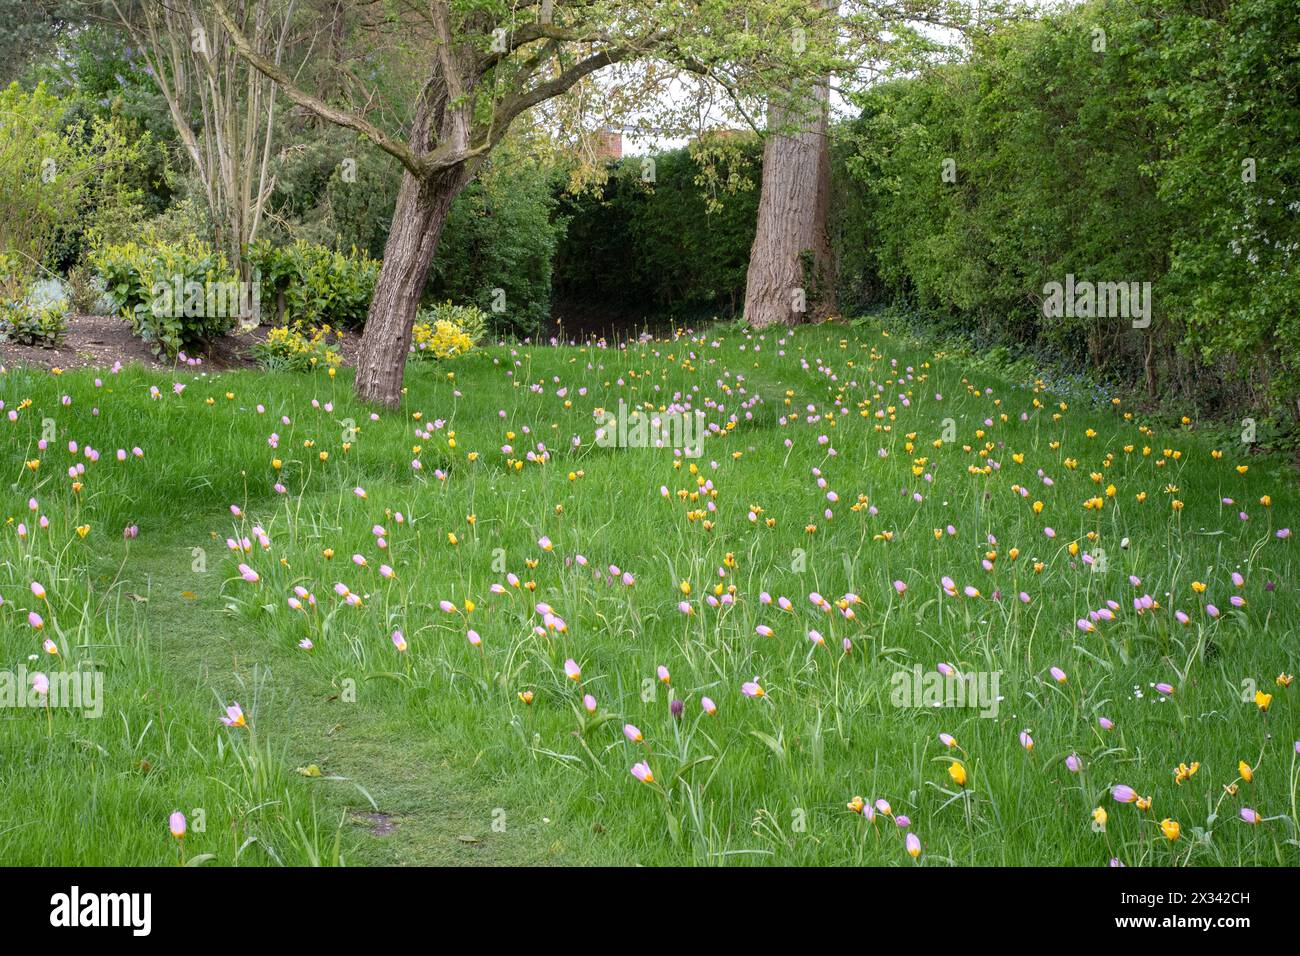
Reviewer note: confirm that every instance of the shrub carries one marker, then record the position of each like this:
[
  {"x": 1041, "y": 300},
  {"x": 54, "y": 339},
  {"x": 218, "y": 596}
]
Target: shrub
[
  {"x": 11, "y": 277},
  {"x": 177, "y": 296},
  {"x": 469, "y": 318},
  {"x": 446, "y": 330},
  {"x": 298, "y": 348},
  {"x": 1171, "y": 159},
  {"x": 58, "y": 174},
  {"x": 337, "y": 190},
  {"x": 312, "y": 284},
  {"x": 496, "y": 248},
  {"x": 88, "y": 293},
  {"x": 38, "y": 318}
]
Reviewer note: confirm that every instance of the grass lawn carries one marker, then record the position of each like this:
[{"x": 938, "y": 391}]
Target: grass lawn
[{"x": 457, "y": 630}]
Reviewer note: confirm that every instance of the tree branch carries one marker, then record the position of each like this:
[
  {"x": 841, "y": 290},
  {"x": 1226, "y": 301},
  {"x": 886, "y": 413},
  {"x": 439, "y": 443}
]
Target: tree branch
[
  {"x": 388, "y": 144},
  {"x": 556, "y": 85}
]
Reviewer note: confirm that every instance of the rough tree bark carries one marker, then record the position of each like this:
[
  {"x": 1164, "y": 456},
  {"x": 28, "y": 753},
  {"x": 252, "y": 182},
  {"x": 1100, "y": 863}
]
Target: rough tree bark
[
  {"x": 791, "y": 277},
  {"x": 418, "y": 218}
]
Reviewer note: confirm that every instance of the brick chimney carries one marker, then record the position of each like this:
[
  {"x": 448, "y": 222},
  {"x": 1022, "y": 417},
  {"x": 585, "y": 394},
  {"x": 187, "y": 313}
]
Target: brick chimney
[{"x": 609, "y": 145}]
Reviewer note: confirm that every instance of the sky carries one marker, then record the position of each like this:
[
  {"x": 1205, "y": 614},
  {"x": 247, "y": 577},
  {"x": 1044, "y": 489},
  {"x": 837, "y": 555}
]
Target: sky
[{"x": 636, "y": 143}]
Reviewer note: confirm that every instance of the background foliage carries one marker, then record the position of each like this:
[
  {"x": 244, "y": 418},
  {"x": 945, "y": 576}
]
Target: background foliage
[
  {"x": 668, "y": 241},
  {"x": 1115, "y": 164}
]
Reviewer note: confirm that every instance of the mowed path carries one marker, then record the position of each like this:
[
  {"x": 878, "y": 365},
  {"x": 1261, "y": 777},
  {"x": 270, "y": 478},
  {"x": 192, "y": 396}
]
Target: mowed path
[{"x": 403, "y": 799}]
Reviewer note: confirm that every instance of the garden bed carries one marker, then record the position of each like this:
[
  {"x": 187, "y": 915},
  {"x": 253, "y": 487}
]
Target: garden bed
[{"x": 99, "y": 341}]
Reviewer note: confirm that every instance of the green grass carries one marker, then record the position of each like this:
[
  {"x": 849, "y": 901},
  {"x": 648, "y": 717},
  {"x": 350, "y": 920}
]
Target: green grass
[{"x": 437, "y": 738}]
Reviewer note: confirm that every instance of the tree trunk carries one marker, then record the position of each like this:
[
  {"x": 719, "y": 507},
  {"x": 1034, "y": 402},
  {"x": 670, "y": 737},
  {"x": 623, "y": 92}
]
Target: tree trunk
[
  {"x": 791, "y": 276},
  {"x": 418, "y": 218}
]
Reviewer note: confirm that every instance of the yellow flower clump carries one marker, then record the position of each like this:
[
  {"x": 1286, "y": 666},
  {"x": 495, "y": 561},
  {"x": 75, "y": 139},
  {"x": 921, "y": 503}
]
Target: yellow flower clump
[
  {"x": 309, "y": 348},
  {"x": 440, "y": 339}
]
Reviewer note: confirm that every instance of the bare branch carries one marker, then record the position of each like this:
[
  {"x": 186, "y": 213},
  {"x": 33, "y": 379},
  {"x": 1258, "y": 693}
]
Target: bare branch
[{"x": 387, "y": 143}]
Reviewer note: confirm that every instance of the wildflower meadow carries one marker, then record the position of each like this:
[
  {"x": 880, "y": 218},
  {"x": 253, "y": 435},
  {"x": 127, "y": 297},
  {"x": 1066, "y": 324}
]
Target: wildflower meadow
[{"x": 894, "y": 611}]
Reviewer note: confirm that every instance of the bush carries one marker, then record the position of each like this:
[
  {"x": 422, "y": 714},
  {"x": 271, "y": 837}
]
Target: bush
[
  {"x": 11, "y": 277},
  {"x": 1169, "y": 159},
  {"x": 335, "y": 189},
  {"x": 177, "y": 296},
  {"x": 311, "y": 284},
  {"x": 38, "y": 318},
  {"x": 446, "y": 330},
  {"x": 88, "y": 293},
  {"x": 58, "y": 175},
  {"x": 496, "y": 248},
  {"x": 298, "y": 348},
  {"x": 469, "y": 318}
]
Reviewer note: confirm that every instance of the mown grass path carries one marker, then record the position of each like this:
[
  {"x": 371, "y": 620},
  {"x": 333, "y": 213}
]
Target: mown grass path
[{"x": 425, "y": 810}]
